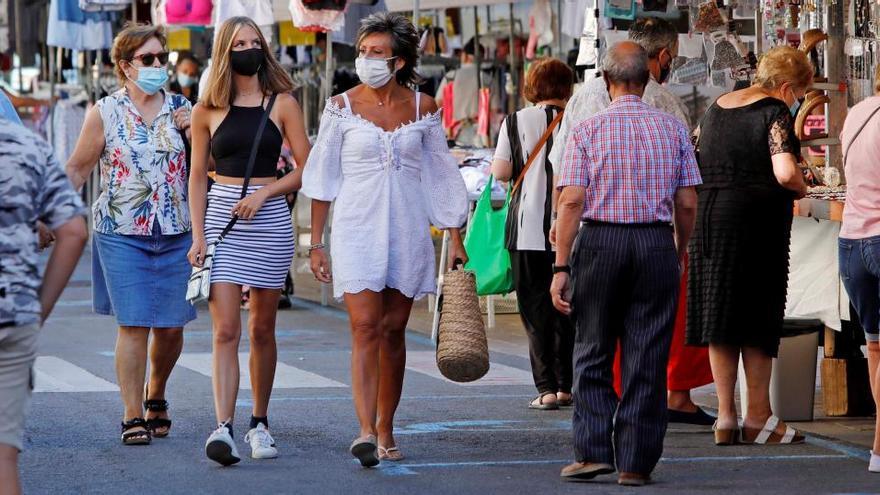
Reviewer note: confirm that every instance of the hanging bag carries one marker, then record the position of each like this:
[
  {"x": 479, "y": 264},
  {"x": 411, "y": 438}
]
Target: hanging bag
[
  {"x": 199, "y": 286},
  {"x": 462, "y": 348},
  {"x": 484, "y": 243}
]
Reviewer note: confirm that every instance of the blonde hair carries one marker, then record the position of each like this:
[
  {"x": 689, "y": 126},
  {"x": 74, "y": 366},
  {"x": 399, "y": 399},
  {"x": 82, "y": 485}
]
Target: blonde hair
[
  {"x": 220, "y": 92},
  {"x": 784, "y": 64},
  {"x": 128, "y": 41}
]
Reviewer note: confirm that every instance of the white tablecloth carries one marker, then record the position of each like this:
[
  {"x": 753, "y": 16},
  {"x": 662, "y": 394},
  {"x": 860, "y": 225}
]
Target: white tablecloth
[{"x": 814, "y": 286}]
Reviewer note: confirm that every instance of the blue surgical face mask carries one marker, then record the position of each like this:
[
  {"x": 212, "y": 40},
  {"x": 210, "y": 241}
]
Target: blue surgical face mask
[
  {"x": 794, "y": 106},
  {"x": 151, "y": 79},
  {"x": 185, "y": 80}
]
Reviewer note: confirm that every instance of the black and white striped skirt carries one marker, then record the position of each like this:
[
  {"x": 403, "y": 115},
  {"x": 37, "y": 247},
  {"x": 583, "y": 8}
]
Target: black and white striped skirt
[{"x": 256, "y": 252}]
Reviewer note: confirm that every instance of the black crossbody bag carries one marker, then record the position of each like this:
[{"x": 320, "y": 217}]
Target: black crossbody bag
[{"x": 199, "y": 286}]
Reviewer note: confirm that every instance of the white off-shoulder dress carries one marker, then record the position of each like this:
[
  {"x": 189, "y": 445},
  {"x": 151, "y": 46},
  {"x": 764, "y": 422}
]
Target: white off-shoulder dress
[{"x": 388, "y": 188}]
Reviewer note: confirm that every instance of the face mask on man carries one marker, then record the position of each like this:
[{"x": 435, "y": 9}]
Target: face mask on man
[
  {"x": 374, "y": 72},
  {"x": 151, "y": 79},
  {"x": 665, "y": 71},
  {"x": 247, "y": 62},
  {"x": 186, "y": 80}
]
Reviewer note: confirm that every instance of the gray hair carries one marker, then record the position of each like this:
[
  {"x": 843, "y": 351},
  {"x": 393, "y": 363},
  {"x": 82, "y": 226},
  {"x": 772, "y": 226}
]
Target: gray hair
[
  {"x": 654, "y": 34},
  {"x": 404, "y": 42},
  {"x": 629, "y": 67}
]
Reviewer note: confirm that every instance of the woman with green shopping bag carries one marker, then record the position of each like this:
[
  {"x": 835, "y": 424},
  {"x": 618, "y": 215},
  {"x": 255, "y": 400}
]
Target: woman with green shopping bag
[{"x": 524, "y": 142}]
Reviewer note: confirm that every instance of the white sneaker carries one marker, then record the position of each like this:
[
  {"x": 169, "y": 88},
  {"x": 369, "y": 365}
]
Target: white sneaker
[
  {"x": 262, "y": 443},
  {"x": 874, "y": 465},
  {"x": 220, "y": 447}
]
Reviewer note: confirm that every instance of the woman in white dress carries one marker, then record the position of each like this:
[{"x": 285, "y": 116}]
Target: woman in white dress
[{"x": 381, "y": 154}]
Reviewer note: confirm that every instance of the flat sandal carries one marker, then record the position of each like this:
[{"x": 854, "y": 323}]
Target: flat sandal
[{"x": 392, "y": 454}]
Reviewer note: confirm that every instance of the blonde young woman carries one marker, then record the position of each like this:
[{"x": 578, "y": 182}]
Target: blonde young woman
[
  {"x": 381, "y": 154},
  {"x": 246, "y": 81}
]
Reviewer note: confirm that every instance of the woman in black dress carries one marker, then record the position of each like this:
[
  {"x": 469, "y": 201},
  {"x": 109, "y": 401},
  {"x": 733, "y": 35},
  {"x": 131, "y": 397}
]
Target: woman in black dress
[{"x": 739, "y": 251}]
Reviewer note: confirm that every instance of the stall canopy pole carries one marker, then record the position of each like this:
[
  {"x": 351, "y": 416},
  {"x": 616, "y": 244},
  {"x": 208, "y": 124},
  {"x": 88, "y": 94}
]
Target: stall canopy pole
[
  {"x": 134, "y": 11},
  {"x": 328, "y": 69},
  {"x": 416, "y": 14},
  {"x": 478, "y": 52},
  {"x": 560, "y": 55},
  {"x": 16, "y": 5},
  {"x": 514, "y": 75}
]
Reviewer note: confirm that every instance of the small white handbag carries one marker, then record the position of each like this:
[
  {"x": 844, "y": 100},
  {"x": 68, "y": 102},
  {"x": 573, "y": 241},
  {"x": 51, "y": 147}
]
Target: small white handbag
[{"x": 199, "y": 287}]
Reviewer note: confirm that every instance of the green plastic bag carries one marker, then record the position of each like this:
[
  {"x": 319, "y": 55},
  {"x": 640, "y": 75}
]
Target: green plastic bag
[{"x": 484, "y": 242}]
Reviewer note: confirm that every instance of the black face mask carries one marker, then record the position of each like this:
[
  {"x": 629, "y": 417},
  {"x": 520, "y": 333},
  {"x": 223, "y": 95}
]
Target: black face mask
[
  {"x": 247, "y": 62},
  {"x": 664, "y": 72}
]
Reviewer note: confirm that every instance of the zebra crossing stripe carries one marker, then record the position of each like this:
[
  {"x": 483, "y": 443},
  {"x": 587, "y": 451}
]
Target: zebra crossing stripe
[
  {"x": 286, "y": 376},
  {"x": 425, "y": 362},
  {"x": 53, "y": 374}
]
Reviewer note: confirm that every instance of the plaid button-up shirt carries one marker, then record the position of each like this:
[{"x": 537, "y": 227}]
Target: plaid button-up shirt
[{"x": 630, "y": 158}]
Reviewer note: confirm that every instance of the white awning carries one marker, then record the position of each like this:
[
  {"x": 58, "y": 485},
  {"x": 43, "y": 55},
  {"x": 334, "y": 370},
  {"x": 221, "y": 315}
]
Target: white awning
[{"x": 406, "y": 5}]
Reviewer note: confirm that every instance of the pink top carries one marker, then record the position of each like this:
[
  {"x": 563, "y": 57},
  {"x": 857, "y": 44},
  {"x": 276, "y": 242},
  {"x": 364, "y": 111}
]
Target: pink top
[
  {"x": 190, "y": 12},
  {"x": 861, "y": 215}
]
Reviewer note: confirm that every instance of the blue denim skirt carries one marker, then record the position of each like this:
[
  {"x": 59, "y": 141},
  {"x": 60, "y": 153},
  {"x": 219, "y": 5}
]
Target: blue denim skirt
[{"x": 142, "y": 279}]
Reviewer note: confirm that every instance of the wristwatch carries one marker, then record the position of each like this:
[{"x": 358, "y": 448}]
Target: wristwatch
[{"x": 561, "y": 269}]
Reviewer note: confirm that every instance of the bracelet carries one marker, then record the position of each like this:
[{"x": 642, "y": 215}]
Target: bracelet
[
  {"x": 317, "y": 246},
  {"x": 561, "y": 269}
]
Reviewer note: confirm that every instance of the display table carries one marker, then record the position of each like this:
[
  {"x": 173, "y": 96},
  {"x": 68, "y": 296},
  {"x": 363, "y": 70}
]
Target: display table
[{"x": 816, "y": 291}]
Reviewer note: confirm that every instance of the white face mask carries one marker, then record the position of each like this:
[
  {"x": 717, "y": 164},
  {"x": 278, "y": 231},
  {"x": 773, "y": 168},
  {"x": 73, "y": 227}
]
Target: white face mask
[{"x": 374, "y": 72}]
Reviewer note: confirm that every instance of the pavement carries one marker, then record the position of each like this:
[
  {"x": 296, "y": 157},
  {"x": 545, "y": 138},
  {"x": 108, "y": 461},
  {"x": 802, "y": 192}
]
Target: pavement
[{"x": 459, "y": 439}]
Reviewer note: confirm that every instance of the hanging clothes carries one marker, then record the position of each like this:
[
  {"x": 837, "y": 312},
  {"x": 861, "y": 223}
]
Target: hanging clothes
[
  {"x": 104, "y": 5},
  {"x": 315, "y": 20},
  {"x": 258, "y": 10},
  {"x": 68, "y": 117},
  {"x": 540, "y": 27},
  {"x": 324, "y": 4},
  {"x": 189, "y": 12},
  {"x": 347, "y": 34},
  {"x": 70, "y": 27},
  {"x": 574, "y": 15}
]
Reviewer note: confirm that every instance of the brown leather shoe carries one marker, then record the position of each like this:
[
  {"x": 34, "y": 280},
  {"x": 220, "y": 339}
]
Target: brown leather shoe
[
  {"x": 585, "y": 470},
  {"x": 633, "y": 479}
]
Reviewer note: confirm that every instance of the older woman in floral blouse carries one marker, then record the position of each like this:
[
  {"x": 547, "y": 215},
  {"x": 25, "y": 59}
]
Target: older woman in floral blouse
[{"x": 142, "y": 224}]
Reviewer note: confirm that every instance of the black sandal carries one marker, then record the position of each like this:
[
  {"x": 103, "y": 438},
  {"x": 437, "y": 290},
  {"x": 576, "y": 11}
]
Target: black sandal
[
  {"x": 158, "y": 405},
  {"x": 140, "y": 437}
]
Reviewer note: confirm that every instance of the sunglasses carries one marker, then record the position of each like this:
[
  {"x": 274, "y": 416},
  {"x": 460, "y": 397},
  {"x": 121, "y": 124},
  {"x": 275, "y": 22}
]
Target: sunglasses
[{"x": 148, "y": 58}]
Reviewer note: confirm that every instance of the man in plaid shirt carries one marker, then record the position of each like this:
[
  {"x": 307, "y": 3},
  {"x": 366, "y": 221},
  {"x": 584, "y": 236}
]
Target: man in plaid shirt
[{"x": 628, "y": 175}]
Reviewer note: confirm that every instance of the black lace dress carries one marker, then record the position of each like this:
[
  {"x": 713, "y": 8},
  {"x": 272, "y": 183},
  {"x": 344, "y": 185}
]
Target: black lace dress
[{"x": 739, "y": 250}]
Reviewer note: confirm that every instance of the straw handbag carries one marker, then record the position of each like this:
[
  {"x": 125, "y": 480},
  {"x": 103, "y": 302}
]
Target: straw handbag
[{"x": 462, "y": 349}]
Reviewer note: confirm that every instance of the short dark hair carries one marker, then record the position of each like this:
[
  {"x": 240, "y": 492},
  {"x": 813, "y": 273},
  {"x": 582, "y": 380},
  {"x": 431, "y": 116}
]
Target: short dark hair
[
  {"x": 404, "y": 42},
  {"x": 470, "y": 48},
  {"x": 548, "y": 79},
  {"x": 184, "y": 56},
  {"x": 653, "y": 34}
]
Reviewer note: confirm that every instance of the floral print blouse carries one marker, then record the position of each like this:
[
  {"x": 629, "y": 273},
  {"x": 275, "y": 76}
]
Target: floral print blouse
[{"x": 143, "y": 170}]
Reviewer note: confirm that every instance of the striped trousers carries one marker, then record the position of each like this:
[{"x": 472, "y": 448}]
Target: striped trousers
[{"x": 625, "y": 281}]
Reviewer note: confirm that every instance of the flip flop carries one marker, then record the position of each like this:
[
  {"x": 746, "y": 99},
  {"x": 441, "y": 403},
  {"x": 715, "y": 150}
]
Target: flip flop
[
  {"x": 365, "y": 450},
  {"x": 392, "y": 454},
  {"x": 538, "y": 403}
]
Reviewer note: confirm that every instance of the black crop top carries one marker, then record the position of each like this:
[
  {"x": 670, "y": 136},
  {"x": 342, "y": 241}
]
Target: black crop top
[{"x": 232, "y": 142}]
